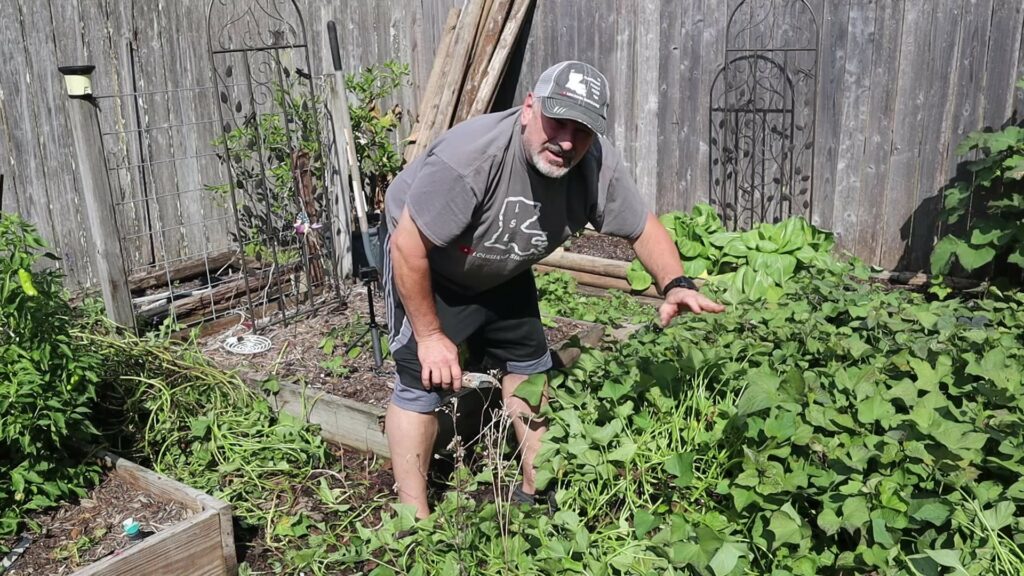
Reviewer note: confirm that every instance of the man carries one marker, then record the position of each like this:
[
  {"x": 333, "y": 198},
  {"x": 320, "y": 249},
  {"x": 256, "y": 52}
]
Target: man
[{"x": 467, "y": 218}]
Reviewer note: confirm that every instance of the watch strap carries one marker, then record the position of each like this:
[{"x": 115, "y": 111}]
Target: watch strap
[{"x": 678, "y": 282}]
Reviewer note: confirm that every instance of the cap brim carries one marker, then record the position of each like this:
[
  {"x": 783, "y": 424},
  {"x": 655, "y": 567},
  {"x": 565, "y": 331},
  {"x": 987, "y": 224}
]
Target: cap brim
[{"x": 566, "y": 109}]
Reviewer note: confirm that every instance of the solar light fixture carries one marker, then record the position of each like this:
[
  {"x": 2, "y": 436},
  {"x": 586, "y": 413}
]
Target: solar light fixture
[{"x": 78, "y": 80}]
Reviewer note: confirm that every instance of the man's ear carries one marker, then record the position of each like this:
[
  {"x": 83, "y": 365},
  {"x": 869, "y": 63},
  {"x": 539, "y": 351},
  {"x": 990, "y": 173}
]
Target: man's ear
[{"x": 528, "y": 103}]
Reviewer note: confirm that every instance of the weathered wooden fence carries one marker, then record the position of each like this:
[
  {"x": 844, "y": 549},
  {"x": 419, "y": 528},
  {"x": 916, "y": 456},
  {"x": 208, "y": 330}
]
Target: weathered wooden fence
[{"x": 900, "y": 83}]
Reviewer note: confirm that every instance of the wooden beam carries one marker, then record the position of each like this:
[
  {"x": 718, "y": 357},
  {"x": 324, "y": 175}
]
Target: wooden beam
[
  {"x": 99, "y": 210},
  {"x": 462, "y": 43},
  {"x": 603, "y": 293},
  {"x": 583, "y": 263},
  {"x": 431, "y": 96},
  {"x": 499, "y": 61},
  {"x": 184, "y": 270},
  {"x": 342, "y": 421},
  {"x": 597, "y": 280},
  {"x": 486, "y": 44}
]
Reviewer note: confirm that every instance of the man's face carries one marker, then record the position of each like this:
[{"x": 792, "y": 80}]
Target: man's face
[{"x": 553, "y": 145}]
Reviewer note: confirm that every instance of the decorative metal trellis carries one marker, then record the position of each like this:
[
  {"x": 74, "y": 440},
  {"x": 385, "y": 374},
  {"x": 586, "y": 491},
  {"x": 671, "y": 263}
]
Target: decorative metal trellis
[
  {"x": 272, "y": 144},
  {"x": 762, "y": 124}
]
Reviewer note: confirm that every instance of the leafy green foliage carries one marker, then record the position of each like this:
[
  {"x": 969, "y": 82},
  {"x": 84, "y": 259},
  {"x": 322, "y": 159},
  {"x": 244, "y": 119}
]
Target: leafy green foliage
[
  {"x": 168, "y": 406},
  {"x": 995, "y": 190},
  {"x": 841, "y": 429},
  {"x": 47, "y": 382},
  {"x": 558, "y": 297},
  {"x": 261, "y": 152},
  {"x": 838, "y": 430},
  {"x": 380, "y": 158},
  {"x": 754, "y": 264}
]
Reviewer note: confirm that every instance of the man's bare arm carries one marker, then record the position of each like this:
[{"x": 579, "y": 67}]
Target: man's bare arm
[
  {"x": 438, "y": 356},
  {"x": 657, "y": 252},
  {"x": 659, "y": 255}
]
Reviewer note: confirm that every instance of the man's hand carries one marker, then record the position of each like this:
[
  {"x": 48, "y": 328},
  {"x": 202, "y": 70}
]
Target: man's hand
[
  {"x": 439, "y": 358},
  {"x": 683, "y": 300}
]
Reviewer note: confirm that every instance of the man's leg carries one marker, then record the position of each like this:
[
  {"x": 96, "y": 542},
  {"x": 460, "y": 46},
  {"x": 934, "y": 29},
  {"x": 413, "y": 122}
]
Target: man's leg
[
  {"x": 529, "y": 429},
  {"x": 411, "y": 441}
]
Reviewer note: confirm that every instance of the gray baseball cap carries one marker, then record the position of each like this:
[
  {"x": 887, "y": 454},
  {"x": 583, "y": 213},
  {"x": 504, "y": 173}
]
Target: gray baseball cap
[{"x": 574, "y": 91}]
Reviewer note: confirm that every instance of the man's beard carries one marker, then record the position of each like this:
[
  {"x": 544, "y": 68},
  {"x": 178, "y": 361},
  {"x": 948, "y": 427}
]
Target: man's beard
[{"x": 550, "y": 170}]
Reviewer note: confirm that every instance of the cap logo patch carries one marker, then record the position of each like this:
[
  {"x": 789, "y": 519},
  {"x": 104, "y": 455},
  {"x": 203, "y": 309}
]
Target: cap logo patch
[{"x": 575, "y": 84}]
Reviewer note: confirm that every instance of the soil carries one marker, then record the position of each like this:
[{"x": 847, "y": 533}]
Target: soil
[
  {"x": 78, "y": 534},
  {"x": 298, "y": 353},
  {"x": 601, "y": 246}
]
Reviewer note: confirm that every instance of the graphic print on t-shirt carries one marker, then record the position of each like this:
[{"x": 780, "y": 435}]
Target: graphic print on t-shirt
[{"x": 517, "y": 231}]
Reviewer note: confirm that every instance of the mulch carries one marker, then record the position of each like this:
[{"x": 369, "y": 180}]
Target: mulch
[
  {"x": 298, "y": 351},
  {"x": 79, "y": 533},
  {"x": 601, "y": 246}
]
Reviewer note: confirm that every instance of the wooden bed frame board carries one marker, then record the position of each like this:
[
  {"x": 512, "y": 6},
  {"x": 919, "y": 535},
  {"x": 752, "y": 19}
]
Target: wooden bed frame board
[
  {"x": 201, "y": 545},
  {"x": 359, "y": 425}
]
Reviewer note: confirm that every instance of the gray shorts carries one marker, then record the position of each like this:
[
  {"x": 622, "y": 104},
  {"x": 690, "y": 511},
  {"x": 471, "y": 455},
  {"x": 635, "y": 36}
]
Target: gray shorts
[{"x": 500, "y": 329}]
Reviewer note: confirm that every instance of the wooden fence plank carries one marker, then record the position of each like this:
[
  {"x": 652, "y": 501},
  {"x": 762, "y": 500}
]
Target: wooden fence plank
[
  {"x": 675, "y": 99},
  {"x": 401, "y": 50},
  {"x": 9, "y": 200},
  {"x": 1007, "y": 18},
  {"x": 23, "y": 132},
  {"x": 688, "y": 121},
  {"x": 712, "y": 51},
  {"x": 935, "y": 137},
  {"x": 199, "y": 107},
  {"x": 831, "y": 87},
  {"x": 1018, "y": 100},
  {"x": 878, "y": 134},
  {"x": 159, "y": 175},
  {"x": 108, "y": 27},
  {"x": 900, "y": 196},
  {"x": 973, "y": 40},
  {"x": 621, "y": 80},
  {"x": 856, "y": 90},
  {"x": 645, "y": 102},
  {"x": 62, "y": 195}
]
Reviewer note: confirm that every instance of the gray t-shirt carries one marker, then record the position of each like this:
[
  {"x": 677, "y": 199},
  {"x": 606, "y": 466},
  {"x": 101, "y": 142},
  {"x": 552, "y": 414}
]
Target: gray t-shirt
[{"x": 491, "y": 214}]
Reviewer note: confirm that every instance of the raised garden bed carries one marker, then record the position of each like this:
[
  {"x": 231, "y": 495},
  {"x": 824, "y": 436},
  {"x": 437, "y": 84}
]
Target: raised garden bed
[
  {"x": 345, "y": 393},
  {"x": 601, "y": 246},
  {"x": 191, "y": 532}
]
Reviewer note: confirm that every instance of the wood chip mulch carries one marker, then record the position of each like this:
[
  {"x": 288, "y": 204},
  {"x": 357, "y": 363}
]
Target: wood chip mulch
[
  {"x": 77, "y": 534},
  {"x": 601, "y": 246},
  {"x": 297, "y": 352}
]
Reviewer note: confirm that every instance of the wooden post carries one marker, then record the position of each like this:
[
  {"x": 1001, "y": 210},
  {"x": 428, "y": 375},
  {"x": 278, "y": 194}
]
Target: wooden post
[{"x": 99, "y": 205}]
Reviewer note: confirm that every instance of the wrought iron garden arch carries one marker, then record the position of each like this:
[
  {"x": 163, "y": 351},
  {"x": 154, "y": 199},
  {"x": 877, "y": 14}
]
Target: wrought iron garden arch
[
  {"x": 273, "y": 147},
  {"x": 763, "y": 112}
]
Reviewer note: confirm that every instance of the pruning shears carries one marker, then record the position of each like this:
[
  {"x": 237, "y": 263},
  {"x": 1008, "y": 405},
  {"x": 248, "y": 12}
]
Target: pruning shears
[{"x": 472, "y": 382}]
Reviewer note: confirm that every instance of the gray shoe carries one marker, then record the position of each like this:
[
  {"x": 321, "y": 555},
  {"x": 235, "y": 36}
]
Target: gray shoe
[{"x": 548, "y": 498}]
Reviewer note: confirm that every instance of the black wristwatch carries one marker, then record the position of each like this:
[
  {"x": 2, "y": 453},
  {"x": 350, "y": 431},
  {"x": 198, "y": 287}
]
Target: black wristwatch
[{"x": 680, "y": 282}]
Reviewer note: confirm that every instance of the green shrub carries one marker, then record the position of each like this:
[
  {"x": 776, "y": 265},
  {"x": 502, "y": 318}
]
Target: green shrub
[
  {"x": 373, "y": 128},
  {"x": 261, "y": 152},
  {"x": 996, "y": 236},
  {"x": 753, "y": 264},
  {"x": 47, "y": 382}
]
